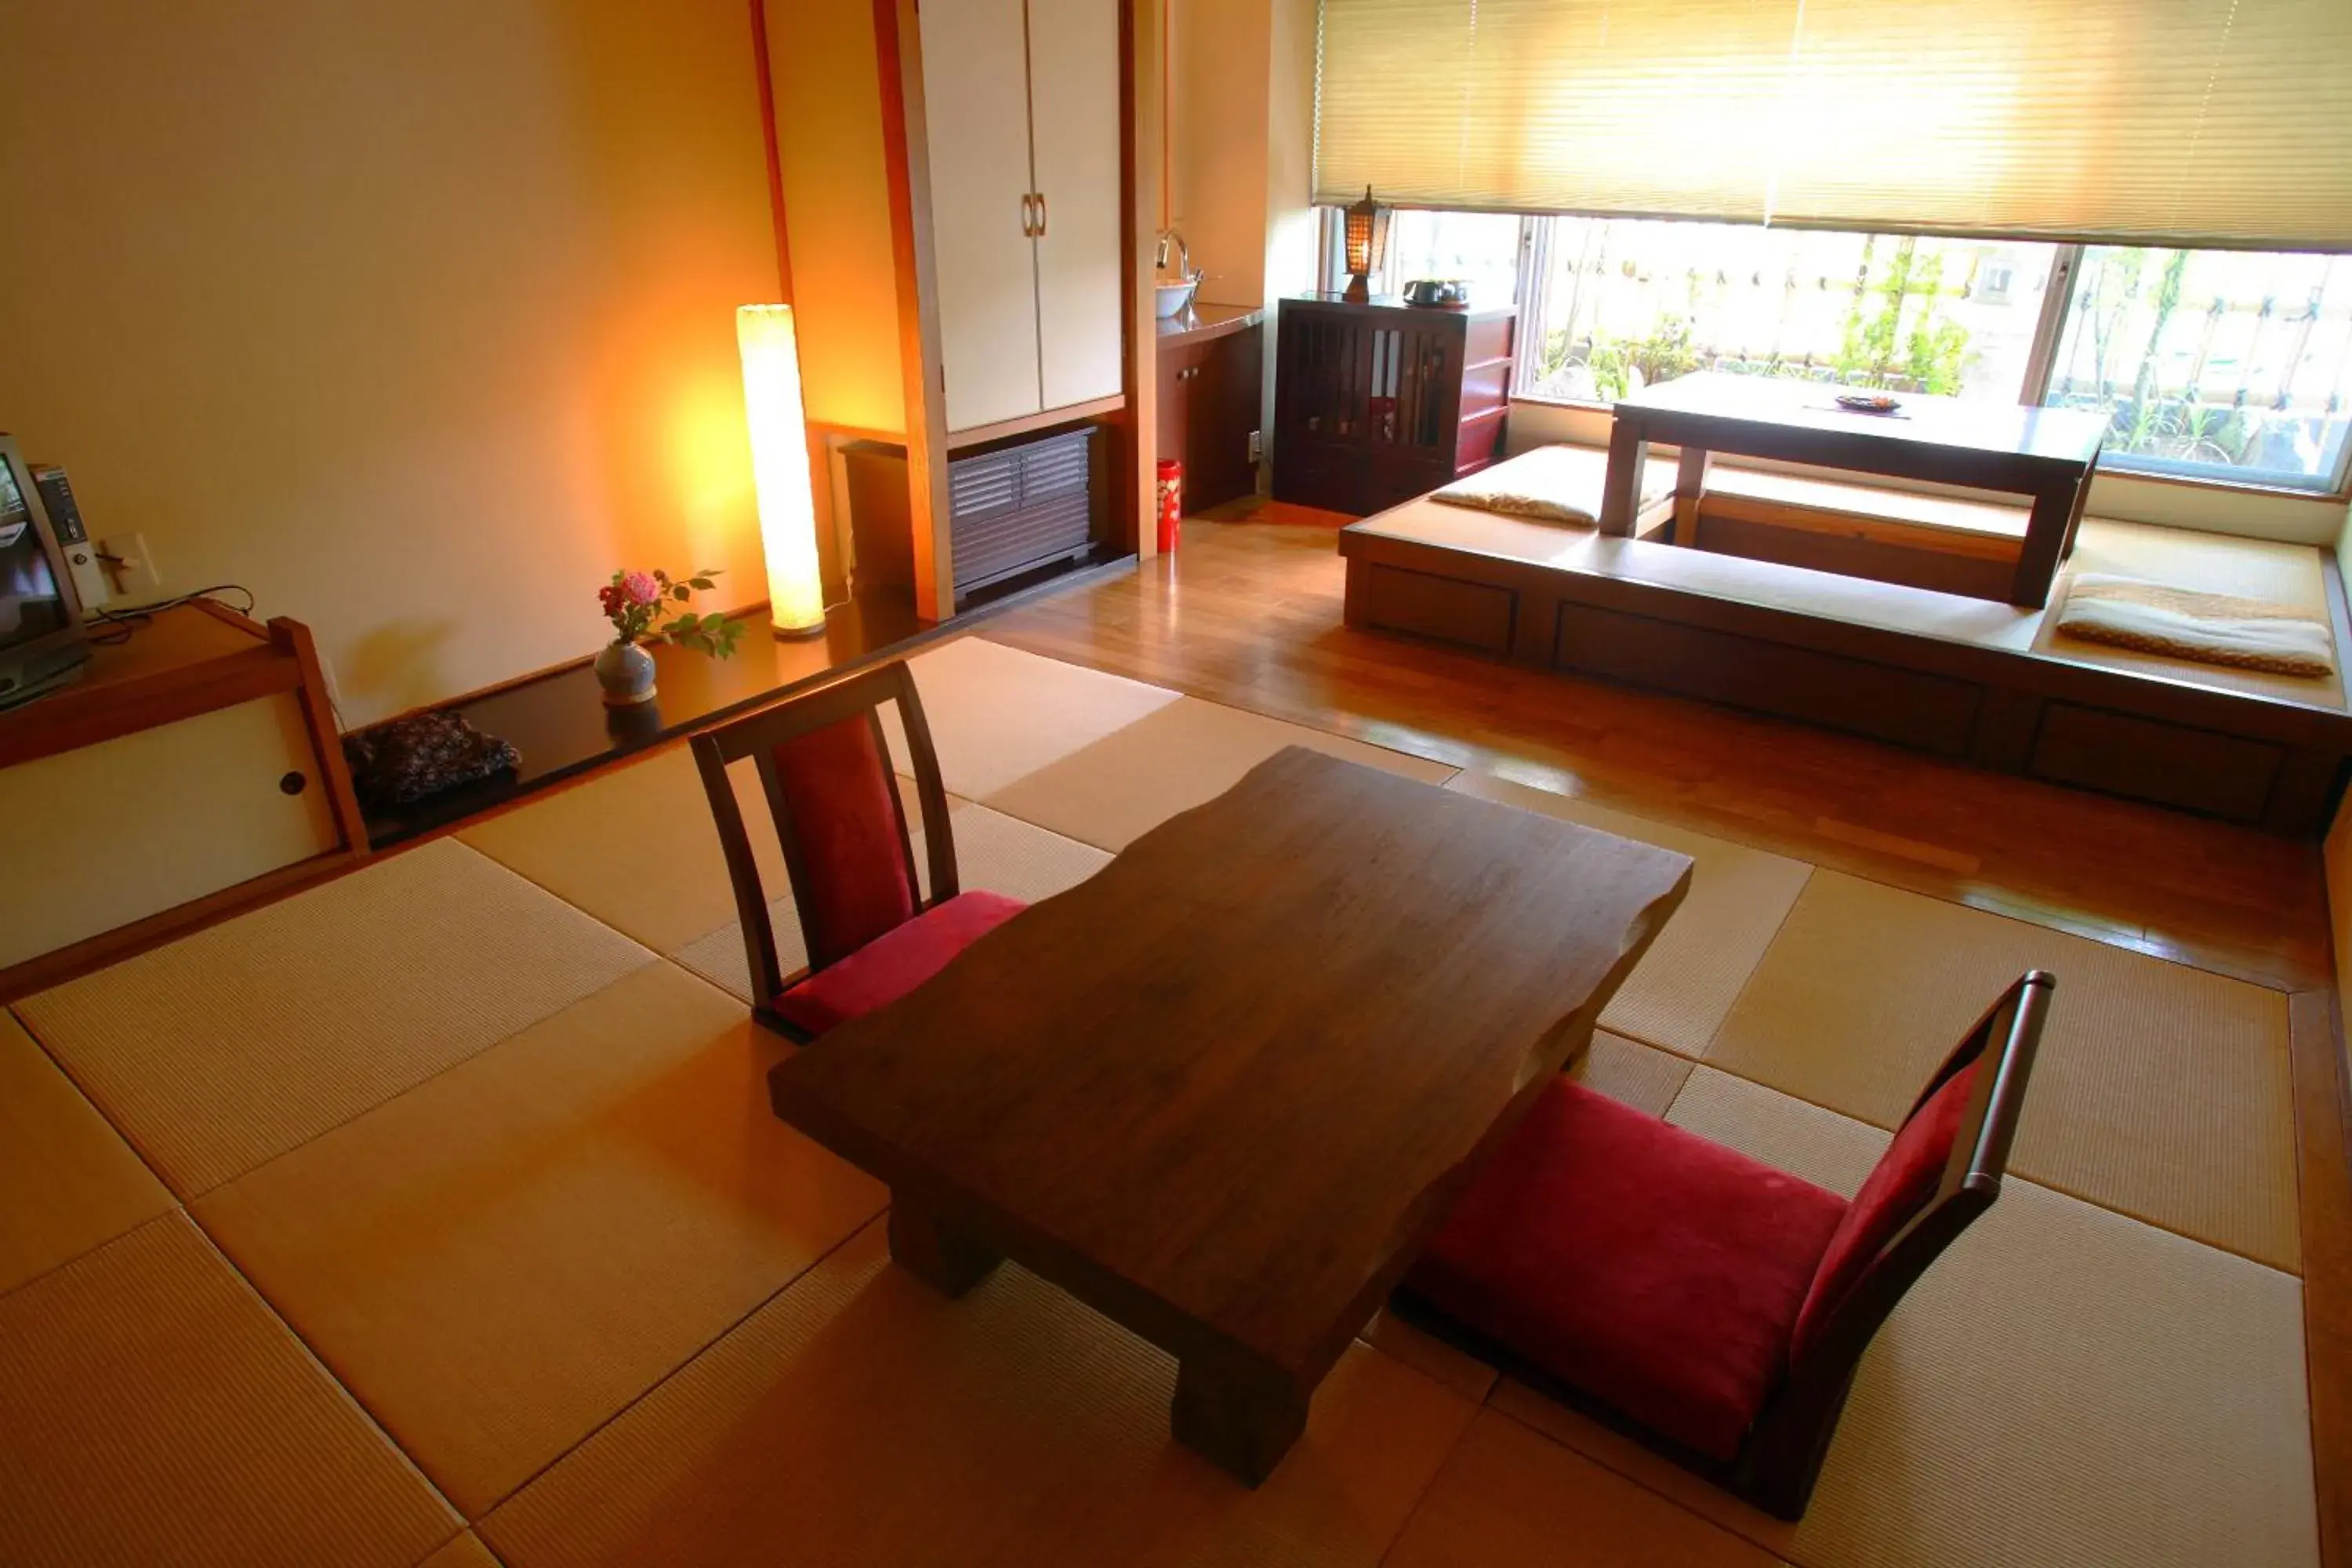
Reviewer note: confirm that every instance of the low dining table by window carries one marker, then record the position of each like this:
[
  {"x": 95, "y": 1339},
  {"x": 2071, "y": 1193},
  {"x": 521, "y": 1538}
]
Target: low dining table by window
[
  {"x": 2047, "y": 456},
  {"x": 1223, "y": 1090}
]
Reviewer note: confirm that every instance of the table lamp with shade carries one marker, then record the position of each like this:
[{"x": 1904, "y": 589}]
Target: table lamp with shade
[
  {"x": 1366, "y": 234},
  {"x": 779, "y": 468}
]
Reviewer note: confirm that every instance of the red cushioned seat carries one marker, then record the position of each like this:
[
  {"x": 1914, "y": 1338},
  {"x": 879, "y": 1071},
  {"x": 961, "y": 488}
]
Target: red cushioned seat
[
  {"x": 895, "y": 963},
  {"x": 840, "y": 815},
  {"x": 1717, "y": 1307},
  {"x": 1661, "y": 1272}
]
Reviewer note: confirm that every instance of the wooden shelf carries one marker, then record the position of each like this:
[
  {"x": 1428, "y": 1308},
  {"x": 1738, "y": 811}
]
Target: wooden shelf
[
  {"x": 559, "y": 724},
  {"x": 185, "y": 663}
]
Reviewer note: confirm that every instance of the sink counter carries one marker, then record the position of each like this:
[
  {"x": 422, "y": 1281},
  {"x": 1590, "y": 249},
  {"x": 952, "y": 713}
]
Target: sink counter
[{"x": 1203, "y": 321}]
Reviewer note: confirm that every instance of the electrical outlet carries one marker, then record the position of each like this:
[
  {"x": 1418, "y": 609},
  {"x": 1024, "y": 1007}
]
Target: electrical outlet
[
  {"x": 1257, "y": 446},
  {"x": 92, "y": 587},
  {"x": 130, "y": 563}
]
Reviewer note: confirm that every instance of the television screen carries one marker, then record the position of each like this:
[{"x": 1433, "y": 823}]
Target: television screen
[{"x": 32, "y": 603}]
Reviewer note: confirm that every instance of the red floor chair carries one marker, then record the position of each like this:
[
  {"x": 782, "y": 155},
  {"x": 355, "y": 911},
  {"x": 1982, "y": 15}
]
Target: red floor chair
[
  {"x": 825, "y": 768},
  {"x": 1703, "y": 1303}
]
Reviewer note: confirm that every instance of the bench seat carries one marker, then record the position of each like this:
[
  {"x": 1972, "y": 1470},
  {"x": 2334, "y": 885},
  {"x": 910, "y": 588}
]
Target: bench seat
[{"x": 1968, "y": 678}]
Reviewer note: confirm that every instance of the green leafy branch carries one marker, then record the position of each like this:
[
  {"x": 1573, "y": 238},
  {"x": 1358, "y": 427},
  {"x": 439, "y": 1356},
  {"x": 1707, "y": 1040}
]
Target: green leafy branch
[{"x": 647, "y": 606}]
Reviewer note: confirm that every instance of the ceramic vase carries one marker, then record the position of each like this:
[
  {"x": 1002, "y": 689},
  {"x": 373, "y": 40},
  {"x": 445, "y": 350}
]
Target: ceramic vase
[{"x": 626, "y": 673}]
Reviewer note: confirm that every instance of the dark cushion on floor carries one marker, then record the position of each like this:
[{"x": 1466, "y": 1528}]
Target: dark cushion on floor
[
  {"x": 1898, "y": 1187},
  {"x": 895, "y": 963},
  {"x": 1645, "y": 1265}
]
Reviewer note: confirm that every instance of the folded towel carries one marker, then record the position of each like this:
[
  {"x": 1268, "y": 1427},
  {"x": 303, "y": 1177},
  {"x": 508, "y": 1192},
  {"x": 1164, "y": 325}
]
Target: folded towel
[
  {"x": 2209, "y": 628},
  {"x": 1550, "y": 484}
]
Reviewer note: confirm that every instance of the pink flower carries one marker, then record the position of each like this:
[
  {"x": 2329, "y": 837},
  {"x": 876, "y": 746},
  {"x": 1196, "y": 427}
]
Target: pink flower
[{"x": 641, "y": 587}]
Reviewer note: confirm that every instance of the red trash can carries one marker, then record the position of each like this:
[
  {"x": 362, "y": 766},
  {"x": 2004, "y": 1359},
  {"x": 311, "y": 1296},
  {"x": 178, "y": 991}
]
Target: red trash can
[{"x": 1171, "y": 504}]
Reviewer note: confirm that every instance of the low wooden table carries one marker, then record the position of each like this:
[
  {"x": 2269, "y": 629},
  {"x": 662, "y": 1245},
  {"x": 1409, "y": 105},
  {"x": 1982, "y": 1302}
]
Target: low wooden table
[
  {"x": 2046, "y": 454},
  {"x": 1224, "y": 1090}
]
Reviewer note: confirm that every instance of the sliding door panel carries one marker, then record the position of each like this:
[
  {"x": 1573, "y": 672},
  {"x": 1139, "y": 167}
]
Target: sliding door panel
[
  {"x": 1074, "y": 108},
  {"x": 976, "y": 98}
]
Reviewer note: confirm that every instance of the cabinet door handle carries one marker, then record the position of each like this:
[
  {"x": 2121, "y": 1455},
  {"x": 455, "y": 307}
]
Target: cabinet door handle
[
  {"x": 1041, "y": 213},
  {"x": 1028, "y": 216}
]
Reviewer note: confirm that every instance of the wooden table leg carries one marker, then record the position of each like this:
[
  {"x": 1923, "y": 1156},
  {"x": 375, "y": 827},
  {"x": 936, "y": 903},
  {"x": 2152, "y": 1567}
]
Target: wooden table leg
[
  {"x": 2074, "y": 518},
  {"x": 1690, "y": 484},
  {"x": 1240, "y": 1414},
  {"x": 2046, "y": 530},
  {"x": 1620, "y": 491},
  {"x": 932, "y": 1252}
]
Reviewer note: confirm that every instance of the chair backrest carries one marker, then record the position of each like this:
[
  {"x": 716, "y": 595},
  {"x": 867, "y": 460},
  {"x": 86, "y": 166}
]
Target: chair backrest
[
  {"x": 1943, "y": 1168},
  {"x": 825, "y": 768}
]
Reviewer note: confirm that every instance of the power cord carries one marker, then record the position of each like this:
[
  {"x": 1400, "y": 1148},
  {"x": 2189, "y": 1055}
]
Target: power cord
[{"x": 122, "y": 625}]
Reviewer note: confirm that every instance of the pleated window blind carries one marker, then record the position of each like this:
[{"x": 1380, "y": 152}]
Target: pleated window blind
[{"x": 2195, "y": 122}]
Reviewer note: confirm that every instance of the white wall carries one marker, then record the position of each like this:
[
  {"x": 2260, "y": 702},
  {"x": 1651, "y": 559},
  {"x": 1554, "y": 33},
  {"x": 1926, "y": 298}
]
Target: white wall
[
  {"x": 1219, "y": 71},
  {"x": 416, "y": 318},
  {"x": 1242, "y": 128}
]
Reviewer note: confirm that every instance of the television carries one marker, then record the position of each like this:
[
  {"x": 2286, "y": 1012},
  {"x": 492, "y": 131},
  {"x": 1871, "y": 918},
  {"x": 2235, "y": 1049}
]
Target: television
[{"x": 42, "y": 645}]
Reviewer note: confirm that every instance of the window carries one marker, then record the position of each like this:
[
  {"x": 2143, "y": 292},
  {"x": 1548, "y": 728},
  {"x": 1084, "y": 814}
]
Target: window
[
  {"x": 1616, "y": 304},
  {"x": 2211, "y": 365},
  {"x": 1480, "y": 247}
]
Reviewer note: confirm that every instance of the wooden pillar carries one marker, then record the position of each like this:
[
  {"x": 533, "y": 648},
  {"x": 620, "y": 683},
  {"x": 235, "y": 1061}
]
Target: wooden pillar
[
  {"x": 906, "y": 142},
  {"x": 1143, "y": 102}
]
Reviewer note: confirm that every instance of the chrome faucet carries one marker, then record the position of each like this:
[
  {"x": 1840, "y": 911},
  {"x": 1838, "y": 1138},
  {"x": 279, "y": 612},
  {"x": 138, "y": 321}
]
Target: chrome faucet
[{"x": 1169, "y": 239}]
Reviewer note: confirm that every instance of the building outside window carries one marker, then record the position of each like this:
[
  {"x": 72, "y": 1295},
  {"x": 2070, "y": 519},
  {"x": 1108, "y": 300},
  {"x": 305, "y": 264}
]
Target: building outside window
[{"x": 2215, "y": 365}]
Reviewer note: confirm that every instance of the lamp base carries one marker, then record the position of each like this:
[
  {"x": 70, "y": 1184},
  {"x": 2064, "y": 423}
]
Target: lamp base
[
  {"x": 797, "y": 633},
  {"x": 1359, "y": 290}
]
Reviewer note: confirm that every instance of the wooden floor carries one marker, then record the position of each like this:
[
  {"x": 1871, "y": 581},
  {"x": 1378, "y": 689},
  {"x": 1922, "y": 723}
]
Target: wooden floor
[{"x": 1248, "y": 614}]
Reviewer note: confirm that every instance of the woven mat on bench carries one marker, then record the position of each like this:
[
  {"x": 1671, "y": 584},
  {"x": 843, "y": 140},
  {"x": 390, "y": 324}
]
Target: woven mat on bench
[
  {"x": 1550, "y": 484},
  {"x": 2209, "y": 628}
]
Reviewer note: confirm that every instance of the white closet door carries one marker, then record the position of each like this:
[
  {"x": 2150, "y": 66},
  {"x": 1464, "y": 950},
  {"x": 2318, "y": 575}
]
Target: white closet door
[
  {"x": 1073, "y": 109},
  {"x": 976, "y": 98}
]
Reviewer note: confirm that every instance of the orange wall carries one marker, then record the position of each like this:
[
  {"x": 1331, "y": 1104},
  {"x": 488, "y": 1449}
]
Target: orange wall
[
  {"x": 838, "y": 201},
  {"x": 417, "y": 319}
]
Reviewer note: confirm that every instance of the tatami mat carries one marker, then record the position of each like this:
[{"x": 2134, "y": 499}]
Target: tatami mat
[
  {"x": 153, "y": 1412},
  {"x": 465, "y": 1550},
  {"x": 2065, "y": 1387},
  {"x": 1458, "y": 1370},
  {"x": 1826, "y": 1149},
  {"x": 501, "y": 1258},
  {"x": 1183, "y": 756},
  {"x": 2161, "y": 1091},
  {"x": 995, "y": 853},
  {"x": 243, "y": 1040},
  {"x": 1642, "y": 1075},
  {"x": 996, "y": 713},
  {"x": 636, "y": 848},
  {"x": 1685, "y": 984},
  {"x": 68, "y": 1181},
  {"x": 1509, "y": 1498},
  {"x": 861, "y": 1419}
]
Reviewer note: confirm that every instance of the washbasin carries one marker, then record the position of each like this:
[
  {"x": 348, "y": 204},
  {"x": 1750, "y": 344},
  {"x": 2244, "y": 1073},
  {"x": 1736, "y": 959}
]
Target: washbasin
[{"x": 1175, "y": 299}]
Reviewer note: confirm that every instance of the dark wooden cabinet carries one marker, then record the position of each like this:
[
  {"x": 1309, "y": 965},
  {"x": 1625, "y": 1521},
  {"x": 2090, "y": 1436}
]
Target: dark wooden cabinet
[
  {"x": 1377, "y": 402},
  {"x": 1210, "y": 391}
]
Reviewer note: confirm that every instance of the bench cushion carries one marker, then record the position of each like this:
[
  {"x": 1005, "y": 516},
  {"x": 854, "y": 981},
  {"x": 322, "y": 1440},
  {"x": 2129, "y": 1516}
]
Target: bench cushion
[{"x": 1549, "y": 484}]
